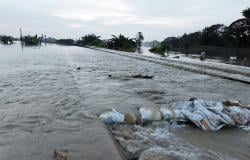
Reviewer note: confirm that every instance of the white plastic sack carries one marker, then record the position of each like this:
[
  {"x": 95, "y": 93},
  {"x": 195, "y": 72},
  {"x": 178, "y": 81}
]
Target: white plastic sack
[
  {"x": 209, "y": 115},
  {"x": 150, "y": 114},
  {"x": 167, "y": 113},
  {"x": 170, "y": 114},
  {"x": 111, "y": 117},
  {"x": 241, "y": 116},
  {"x": 205, "y": 114},
  {"x": 182, "y": 105}
]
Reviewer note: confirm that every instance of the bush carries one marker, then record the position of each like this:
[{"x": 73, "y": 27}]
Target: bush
[
  {"x": 161, "y": 49},
  {"x": 246, "y": 13},
  {"x": 66, "y": 41},
  {"x": 32, "y": 40},
  {"x": 6, "y": 39},
  {"x": 158, "y": 50}
]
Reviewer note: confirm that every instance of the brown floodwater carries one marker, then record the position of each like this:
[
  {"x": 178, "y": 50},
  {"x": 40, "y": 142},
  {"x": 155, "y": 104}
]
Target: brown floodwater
[{"x": 45, "y": 102}]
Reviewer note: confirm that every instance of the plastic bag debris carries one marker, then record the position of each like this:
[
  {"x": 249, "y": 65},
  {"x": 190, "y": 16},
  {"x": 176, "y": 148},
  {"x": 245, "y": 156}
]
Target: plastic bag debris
[
  {"x": 207, "y": 115},
  {"x": 130, "y": 118},
  {"x": 150, "y": 114},
  {"x": 111, "y": 117},
  {"x": 240, "y": 116},
  {"x": 172, "y": 114},
  {"x": 167, "y": 113},
  {"x": 236, "y": 103},
  {"x": 61, "y": 155},
  {"x": 136, "y": 76}
]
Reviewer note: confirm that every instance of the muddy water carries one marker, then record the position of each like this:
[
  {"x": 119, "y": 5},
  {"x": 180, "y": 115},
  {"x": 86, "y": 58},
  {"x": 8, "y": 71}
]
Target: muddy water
[{"x": 46, "y": 103}]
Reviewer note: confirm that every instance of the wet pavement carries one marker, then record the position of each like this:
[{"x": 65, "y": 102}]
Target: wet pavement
[
  {"x": 41, "y": 110},
  {"x": 47, "y": 103}
]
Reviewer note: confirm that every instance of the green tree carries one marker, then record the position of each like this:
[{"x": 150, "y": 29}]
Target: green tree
[
  {"x": 160, "y": 50},
  {"x": 32, "y": 40},
  {"x": 90, "y": 39},
  {"x": 122, "y": 43},
  {"x": 246, "y": 13},
  {"x": 6, "y": 39},
  {"x": 212, "y": 35},
  {"x": 69, "y": 42},
  {"x": 240, "y": 29}
]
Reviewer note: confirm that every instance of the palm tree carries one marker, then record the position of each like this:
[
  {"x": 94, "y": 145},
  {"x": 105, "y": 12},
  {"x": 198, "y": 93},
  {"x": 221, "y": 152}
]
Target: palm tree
[
  {"x": 90, "y": 39},
  {"x": 122, "y": 43}
]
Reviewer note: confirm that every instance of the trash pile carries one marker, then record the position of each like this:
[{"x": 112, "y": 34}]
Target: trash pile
[{"x": 206, "y": 115}]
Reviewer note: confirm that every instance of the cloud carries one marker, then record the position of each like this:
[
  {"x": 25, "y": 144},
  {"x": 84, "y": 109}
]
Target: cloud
[
  {"x": 115, "y": 18},
  {"x": 94, "y": 10},
  {"x": 156, "y": 19},
  {"x": 76, "y": 26},
  {"x": 72, "y": 15},
  {"x": 168, "y": 21},
  {"x": 118, "y": 14}
]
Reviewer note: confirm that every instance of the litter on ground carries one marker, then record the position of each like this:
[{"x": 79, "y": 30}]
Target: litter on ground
[
  {"x": 61, "y": 155},
  {"x": 206, "y": 115}
]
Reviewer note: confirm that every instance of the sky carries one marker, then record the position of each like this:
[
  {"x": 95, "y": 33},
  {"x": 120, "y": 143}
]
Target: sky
[{"x": 157, "y": 19}]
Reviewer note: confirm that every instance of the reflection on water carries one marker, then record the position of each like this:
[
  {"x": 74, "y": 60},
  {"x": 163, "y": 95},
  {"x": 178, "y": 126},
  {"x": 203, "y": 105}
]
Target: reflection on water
[{"x": 46, "y": 103}]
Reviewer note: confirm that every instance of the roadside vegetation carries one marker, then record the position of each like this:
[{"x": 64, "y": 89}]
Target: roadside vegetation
[
  {"x": 218, "y": 41},
  {"x": 120, "y": 42},
  {"x": 236, "y": 35},
  {"x": 161, "y": 49},
  {"x": 68, "y": 42},
  {"x": 89, "y": 40}
]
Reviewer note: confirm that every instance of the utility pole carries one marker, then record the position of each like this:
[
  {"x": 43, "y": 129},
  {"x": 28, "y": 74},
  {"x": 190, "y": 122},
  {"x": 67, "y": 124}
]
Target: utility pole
[{"x": 21, "y": 35}]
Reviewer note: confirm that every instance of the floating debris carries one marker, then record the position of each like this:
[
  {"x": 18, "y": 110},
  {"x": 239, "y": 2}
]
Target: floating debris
[
  {"x": 127, "y": 77},
  {"x": 142, "y": 76},
  {"x": 61, "y": 155}
]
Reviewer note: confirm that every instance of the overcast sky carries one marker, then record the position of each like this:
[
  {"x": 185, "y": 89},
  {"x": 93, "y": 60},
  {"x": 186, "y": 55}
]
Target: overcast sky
[{"x": 157, "y": 19}]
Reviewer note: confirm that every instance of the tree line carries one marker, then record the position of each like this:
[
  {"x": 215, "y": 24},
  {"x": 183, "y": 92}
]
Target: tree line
[
  {"x": 120, "y": 42},
  {"x": 6, "y": 39},
  {"x": 236, "y": 35}
]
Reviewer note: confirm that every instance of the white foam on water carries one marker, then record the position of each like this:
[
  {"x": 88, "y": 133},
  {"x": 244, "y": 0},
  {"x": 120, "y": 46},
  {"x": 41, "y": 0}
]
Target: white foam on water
[{"x": 165, "y": 144}]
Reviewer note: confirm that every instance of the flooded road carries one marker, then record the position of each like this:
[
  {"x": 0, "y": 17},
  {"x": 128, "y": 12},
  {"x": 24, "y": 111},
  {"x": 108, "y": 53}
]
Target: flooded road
[{"x": 46, "y": 103}]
